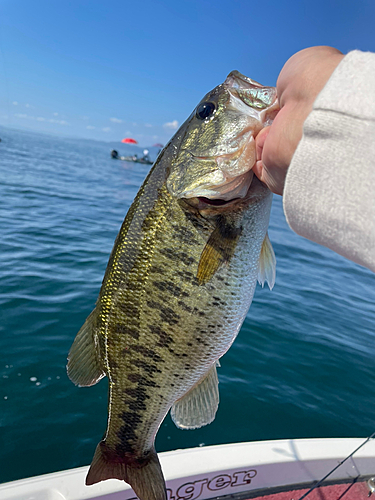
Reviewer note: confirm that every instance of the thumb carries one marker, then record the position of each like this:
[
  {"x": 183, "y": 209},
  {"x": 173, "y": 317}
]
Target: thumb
[{"x": 259, "y": 144}]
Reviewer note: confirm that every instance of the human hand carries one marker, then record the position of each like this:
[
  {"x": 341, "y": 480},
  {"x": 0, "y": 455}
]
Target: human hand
[{"x": 302, "y": 78}]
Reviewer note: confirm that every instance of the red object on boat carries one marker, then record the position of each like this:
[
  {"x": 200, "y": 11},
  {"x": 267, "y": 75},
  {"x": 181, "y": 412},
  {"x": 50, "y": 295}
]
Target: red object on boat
[{"x": 129, "y": 140}]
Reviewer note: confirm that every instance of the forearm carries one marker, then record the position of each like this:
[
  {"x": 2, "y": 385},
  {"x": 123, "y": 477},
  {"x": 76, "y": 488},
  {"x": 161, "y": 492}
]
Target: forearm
[{"x": 329, "y": 190}]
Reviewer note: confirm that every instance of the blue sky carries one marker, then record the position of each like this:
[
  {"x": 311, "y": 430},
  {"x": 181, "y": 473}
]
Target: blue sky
[{"x": 109, "y": 69}]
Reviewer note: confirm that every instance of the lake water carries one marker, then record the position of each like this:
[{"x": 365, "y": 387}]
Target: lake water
[{"x": 302, "y": 366}]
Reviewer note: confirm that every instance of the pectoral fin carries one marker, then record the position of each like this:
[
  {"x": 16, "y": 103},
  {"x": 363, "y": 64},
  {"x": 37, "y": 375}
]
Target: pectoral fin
[
  {"x": 267, "y": 264},
  {"x": 198, "y": 407},
  {"x": 219, "y": 248},
  {"x": 84, "y": 364}
]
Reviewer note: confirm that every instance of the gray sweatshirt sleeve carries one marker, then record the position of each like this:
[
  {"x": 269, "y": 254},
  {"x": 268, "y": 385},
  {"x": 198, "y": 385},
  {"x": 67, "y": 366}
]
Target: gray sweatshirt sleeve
[{"x": 329, "y": 194}]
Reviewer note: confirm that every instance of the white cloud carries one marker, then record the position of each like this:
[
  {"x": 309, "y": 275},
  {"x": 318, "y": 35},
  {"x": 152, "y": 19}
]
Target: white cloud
[
  {"x": 29, "y": 106},
  {"x": 90, "y": 127},
  {"x": 59, "y": 122},
  {"x": 115, "y": 120},
  {"x": 55, "y": 114},
  {"x": 148, "y": 125},
  {"x": 15, "y": 103},
  {"x": 106, "y": 129},
  {"x": 171, "y": 125},
  {"x": 40, "y": 119}
]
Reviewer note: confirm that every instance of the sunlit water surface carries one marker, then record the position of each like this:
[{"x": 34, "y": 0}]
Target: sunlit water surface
[{"x": 303, "y": 364}]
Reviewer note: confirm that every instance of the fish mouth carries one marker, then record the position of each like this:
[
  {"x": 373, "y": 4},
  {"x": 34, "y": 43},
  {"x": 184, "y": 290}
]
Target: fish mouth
[
  {"x": 215, "y": 202},
  {"x": 208, "y": 205}
]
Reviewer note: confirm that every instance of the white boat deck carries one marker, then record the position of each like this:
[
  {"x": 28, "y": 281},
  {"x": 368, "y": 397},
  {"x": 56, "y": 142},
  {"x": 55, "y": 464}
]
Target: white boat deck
[{"x": 215, "y": 471}]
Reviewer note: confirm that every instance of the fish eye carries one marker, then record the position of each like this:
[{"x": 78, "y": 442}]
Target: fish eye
[{"x": 204, "y": 110}]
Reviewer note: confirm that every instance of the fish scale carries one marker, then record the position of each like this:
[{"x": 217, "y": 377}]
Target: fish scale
[{"x": 179, "y": 282}]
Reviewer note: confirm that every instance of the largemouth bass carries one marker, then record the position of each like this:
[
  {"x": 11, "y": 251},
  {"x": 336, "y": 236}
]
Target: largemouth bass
[{"x": 179, "y": 282}]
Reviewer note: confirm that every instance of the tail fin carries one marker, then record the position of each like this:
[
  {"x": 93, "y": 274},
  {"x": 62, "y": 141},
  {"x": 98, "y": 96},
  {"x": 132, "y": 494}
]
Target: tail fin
[{"x": 146, "y": 479}]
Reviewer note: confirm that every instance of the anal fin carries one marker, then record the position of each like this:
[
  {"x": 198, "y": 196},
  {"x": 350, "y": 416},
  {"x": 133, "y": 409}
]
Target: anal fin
[{"x": 198, "y": 406}]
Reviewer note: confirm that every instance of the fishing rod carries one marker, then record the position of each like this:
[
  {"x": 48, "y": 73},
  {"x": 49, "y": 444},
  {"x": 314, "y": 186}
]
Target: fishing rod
[{"x": 335, "y": 468}]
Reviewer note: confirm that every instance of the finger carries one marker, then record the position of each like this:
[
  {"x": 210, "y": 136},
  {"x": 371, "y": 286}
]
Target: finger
[
  {"x": 258, "y": 170},
  {"x": 260, "y": 140}
]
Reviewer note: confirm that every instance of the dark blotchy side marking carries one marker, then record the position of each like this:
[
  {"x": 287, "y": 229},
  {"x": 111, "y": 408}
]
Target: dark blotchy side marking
[
  {"x": 138, "y": 397},
  {"x": 147, "y": 367},
  {"x": 197, "y": 311},
  {"x": 169, "y": 315},
  {"x": 131, "y": 418},
  {"x": 141, "y": 380},
  {"x": 183, "y": 234},
  {"x": 136, "y": 393},
  {"x": 197, "y": 221},
  {"x": 157, "y": 270},
  {"x": 166, "y": 313},
  {"x": 134, "y": 377},
  {"x": 184, "y": 306},
  {"x": 132, "y": 286},
  {"x": 177, "y": 256},
  {"x": 186, "y": 259},
  {"x": 127, "y": 330},
  {"x": 153, "y": 305},
  {"x": 170, "y": 253},
  {"x": 164, "y": 338},
  {"x": 149, "y": 353},
  {"x": 129, "y": 309},
  {"x": 186, "y": 275},
  {"x": 169, "y": 286},
  {"x": 137, "y": 405},
  {"x": 126, "y": 433}
]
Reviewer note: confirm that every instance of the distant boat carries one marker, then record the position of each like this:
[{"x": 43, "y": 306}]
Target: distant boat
[{"x": 134, "y": 158}]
